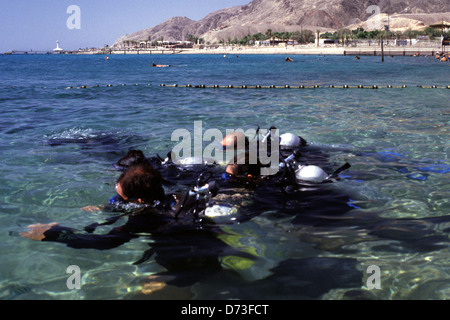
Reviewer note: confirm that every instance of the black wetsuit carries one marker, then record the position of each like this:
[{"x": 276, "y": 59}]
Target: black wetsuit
[{"x": 188, "y": 247}]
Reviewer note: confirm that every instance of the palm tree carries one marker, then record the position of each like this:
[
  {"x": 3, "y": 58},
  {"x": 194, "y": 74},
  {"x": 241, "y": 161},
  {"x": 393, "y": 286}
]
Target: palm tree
[
  {"x": 149, "y": 40},
  {"x": 269, "y": 34},
  {"x": 410, "y": 34}
]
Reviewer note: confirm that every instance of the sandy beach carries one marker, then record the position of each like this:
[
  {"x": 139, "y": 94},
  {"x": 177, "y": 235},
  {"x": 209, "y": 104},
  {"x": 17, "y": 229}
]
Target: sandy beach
[{"x": 423, "y": 50}]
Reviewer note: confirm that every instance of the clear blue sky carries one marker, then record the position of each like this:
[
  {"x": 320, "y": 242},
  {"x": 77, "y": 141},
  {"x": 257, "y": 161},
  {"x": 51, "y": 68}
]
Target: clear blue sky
[{"x": 37, "y": 24}]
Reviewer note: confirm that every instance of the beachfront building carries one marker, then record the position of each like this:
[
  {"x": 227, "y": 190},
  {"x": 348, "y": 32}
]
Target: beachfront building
[
  {"x": 325, "y": 41},
  {"x": 175, "y": 44},
  {"x": 274, "y": 41},
  {"x": 145, "y": 44},
  {"x": 131, "y": 45},
  {"x": 405, "y": 42}
]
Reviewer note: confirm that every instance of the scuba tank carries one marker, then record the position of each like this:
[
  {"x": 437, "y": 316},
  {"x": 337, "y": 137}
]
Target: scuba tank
[
  {"x": 315, "y": 174},
  {"x": 310, "y": 173},
  {"x": 289, "y": 140}
]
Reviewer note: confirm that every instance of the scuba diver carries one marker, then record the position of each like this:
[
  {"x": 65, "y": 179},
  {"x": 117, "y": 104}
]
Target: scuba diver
[
  {"x": 159, "y": 65},
  {"x": 302, "y": 185},
  {"x": 296, "y": 157},
  {"x": 139, "y": 189},
  {"x": 183, "y": 240},
  {"x": 141, "y": 186},
  {"x": 182, "y": 171}
]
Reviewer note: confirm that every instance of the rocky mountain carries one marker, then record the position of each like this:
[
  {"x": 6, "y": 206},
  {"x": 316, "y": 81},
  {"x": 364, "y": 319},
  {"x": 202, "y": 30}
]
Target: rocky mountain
[{"x": 292, "y": 15}]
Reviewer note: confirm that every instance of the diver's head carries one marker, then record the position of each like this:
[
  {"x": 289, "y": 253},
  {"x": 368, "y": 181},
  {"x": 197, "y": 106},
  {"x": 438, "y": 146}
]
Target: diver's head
[
  {"x": 244, "y": 165},
  {"x": 131, "y": 158},
  {"x": 141, "y": 183},
  {"x": 235, "y": 141}
]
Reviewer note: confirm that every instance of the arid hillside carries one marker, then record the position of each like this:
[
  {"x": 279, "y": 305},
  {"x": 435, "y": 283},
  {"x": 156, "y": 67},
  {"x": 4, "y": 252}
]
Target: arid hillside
[{"x": 294, "y": 15}]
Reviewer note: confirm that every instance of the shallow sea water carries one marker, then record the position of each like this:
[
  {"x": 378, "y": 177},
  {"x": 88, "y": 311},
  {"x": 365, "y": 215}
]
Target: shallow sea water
[{"x": 57, "y": 145}]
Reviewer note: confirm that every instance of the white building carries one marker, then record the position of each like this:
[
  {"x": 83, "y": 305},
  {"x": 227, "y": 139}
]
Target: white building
[{"x": 57, "y": 49}]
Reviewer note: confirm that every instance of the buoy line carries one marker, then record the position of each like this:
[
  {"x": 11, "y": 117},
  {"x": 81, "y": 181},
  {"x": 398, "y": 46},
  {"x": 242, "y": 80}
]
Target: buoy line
[
  {"x": 299, "y": 86},
  {"x": 216, "y": 86}
]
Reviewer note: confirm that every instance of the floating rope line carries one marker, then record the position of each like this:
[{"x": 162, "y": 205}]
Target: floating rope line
[
  {"x": 298, "y": 87},
  {"x": 108, "y": 85},
  {"x": 216, "y": 86},
  {"x": 434, "y": 87}
]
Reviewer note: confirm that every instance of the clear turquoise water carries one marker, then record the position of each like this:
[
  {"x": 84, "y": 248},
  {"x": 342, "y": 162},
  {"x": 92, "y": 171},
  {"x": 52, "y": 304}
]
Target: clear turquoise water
[{"x": 395, "y": 139}]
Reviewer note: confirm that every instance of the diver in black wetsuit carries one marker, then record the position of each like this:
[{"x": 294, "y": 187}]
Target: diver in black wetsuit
[
  {"x": 299, "y": 187},
  {"x": 183, "y": 241},
  {"x": 138, "y": 188}
]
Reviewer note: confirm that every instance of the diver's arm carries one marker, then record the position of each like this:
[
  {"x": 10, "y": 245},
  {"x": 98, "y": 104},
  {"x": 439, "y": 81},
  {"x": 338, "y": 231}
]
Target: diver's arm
[{"x": 56, "y": 233}]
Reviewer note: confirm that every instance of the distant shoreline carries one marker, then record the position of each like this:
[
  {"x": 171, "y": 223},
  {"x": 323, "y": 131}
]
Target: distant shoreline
[
  {"x": 374, "y": 50},
  {"x": 351, "y": 51}
]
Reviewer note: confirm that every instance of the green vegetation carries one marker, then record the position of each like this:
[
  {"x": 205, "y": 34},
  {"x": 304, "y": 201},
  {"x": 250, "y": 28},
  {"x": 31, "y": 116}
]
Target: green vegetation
[
  {"x": 303, "y": 36},
  {"x": 194, "y": 39},
  {"x": 307, "y": 36},
  {"x": 361, "y": 34}
]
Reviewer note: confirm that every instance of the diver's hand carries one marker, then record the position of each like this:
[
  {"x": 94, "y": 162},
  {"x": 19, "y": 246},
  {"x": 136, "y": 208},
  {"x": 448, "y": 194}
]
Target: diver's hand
[
  {"x": 36, "y": 231},
  {"x": 92, "y": 208}
]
